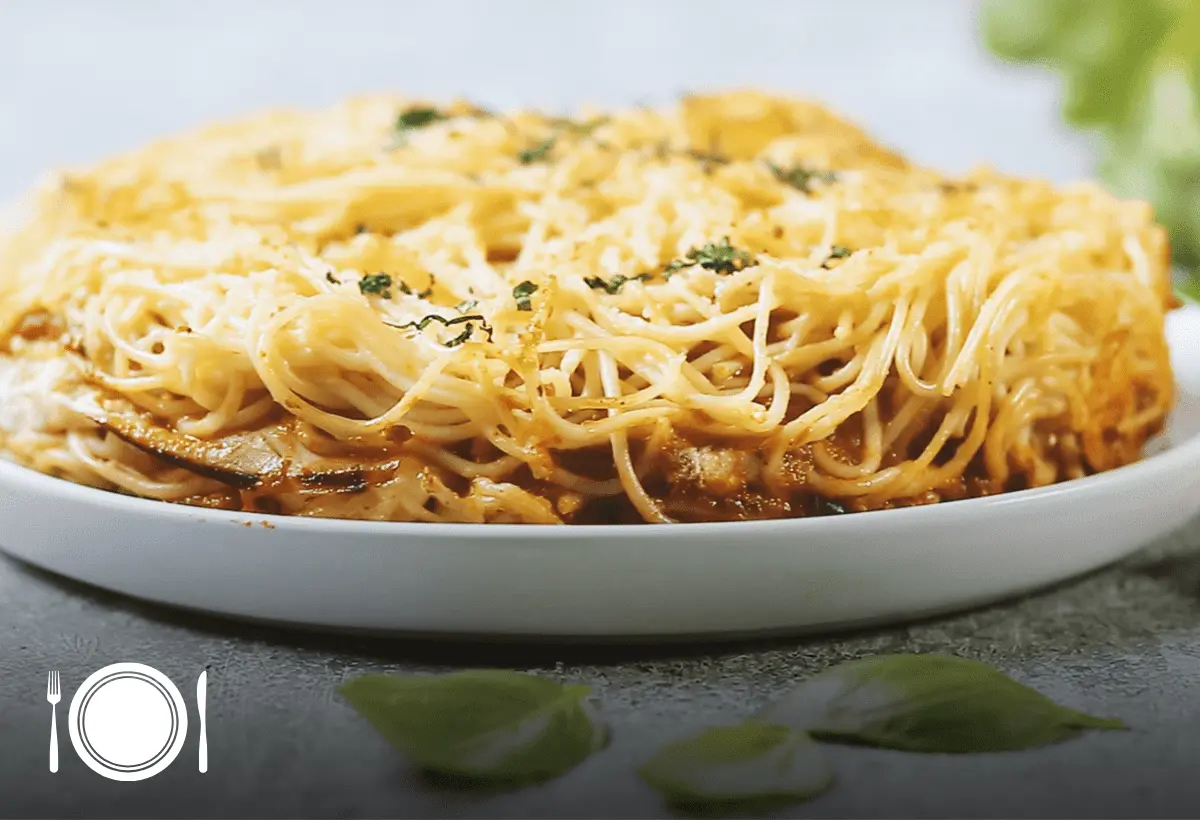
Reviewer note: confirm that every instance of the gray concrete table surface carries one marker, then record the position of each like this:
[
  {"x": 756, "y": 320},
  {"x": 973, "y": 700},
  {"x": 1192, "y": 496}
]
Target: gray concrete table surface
[
  {"x": 1124, "y": 642},
  {"x": 80, "y": 79}
]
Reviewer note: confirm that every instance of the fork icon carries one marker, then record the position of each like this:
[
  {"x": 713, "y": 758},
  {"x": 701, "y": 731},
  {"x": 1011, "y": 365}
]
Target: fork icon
[{"x": 53, "y": 695}]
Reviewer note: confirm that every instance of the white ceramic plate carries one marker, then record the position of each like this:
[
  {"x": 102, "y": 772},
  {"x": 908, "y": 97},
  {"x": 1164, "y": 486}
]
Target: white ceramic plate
[
  {"x": 683, "y": 580},
  {"x": 127, "y": 721}
]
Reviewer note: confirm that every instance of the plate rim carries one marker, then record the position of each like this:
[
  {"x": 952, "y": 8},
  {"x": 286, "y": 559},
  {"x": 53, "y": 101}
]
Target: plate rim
[{"x": 83, "y": 749}]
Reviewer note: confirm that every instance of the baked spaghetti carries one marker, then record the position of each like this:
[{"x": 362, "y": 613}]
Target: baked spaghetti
[{"x": 737, "y": 308}]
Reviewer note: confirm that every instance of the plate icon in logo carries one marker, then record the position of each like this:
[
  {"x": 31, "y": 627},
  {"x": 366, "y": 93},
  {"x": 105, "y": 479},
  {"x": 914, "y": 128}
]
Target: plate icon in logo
[{"x": 127, "y": 721}]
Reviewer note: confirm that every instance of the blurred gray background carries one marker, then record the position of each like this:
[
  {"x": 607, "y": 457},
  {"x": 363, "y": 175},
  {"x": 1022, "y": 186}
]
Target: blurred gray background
[{"x": 83, "y": 78}]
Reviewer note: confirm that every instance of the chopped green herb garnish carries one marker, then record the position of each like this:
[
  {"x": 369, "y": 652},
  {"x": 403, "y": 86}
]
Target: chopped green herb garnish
[
  {"x": 957, "y": 187},
  {"x": 377, "y": 283},
  {"x": 541, "y": 151},
  {"x": 415, "y": 118},
  {"x": 614, "y": 284},
  {"x": 708, "y": 158},
  {"x": 722, "y": 258},
  {"x": 330, "y": 278},
  {"x": 801, "y": 178},
  {"x": 537, "y": 153},
  {"x": 663, "y": 150},
  {"x": 405, "y": 289},
  {"x": 426, "y": 321},
  {"x": 466, "y": 304},
  {"x": 836, "y": 252},
  {"x": 522, "y": 292},
  {"x": 582, "y": 128},
  {"x": 462, "y": 337}
]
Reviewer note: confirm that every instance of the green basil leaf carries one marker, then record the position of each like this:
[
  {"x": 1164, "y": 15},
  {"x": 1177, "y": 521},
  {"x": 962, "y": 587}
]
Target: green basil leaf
[
  {"x": 488, "y": 725},
  {"x": 751, "y": 767},
  {"x": 1131, "y": 70},
  {"x": 1189, "y": 288},
  {"x": 927, "y": 703}
]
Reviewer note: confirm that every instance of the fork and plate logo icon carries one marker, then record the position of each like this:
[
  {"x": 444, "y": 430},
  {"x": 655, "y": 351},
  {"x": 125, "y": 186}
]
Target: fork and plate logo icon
[{"x": 127, "y": 721}]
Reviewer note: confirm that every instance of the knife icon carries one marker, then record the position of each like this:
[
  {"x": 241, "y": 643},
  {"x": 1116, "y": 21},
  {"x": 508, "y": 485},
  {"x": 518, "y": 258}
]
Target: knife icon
[{"x": 201, "y": 696}]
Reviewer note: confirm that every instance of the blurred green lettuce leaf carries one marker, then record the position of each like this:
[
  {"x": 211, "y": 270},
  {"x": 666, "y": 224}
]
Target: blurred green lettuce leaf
[{"x": 1131, "y": 70}]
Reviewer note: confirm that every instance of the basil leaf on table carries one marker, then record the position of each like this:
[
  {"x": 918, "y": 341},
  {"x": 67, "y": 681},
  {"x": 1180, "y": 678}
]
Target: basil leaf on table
[
  {"x": 927, "y": 703},
  {"x": 751, "y": 767},
  {"x": 490, "y": 725}
]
